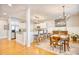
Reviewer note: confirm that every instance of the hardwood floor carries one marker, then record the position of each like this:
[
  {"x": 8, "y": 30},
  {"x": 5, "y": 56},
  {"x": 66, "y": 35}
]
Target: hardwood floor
[{"x": 12, "y": 48}]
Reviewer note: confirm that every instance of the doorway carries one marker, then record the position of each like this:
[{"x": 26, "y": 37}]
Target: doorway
[{"x": 13, "y": 32}]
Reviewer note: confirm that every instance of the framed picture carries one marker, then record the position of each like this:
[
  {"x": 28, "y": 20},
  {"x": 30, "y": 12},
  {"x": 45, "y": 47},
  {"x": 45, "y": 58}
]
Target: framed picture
[{"x": 60, "y": 23}]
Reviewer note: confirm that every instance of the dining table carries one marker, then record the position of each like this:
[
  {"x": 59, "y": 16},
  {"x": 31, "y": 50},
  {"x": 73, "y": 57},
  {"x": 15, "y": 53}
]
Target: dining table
[{"x": 64, "y": 40}]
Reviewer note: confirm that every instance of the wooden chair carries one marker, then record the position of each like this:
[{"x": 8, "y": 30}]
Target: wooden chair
[
  {"x": 55, "y": 42},
  {"x": 66, "y": 40}
]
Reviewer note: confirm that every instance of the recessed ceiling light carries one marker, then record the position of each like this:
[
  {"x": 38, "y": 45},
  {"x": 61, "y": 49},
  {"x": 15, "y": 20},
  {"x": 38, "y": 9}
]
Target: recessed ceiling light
[
  {"x": 10, "y": 5},
  {"x": 4, "y": 13}
]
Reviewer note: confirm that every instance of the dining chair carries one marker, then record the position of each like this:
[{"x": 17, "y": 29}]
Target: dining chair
[{"x": 55, "y": 42}]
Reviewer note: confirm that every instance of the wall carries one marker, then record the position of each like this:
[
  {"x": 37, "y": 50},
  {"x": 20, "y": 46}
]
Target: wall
[
  {"x": 73, "y": 24},
  {"x": 3, "y": 33}
]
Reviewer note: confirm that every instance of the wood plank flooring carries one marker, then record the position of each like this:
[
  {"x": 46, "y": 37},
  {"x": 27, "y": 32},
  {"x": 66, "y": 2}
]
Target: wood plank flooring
[{"x": 10, "y": 47}]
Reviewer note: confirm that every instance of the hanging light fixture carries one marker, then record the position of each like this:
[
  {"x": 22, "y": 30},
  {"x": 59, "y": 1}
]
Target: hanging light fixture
[
  {"x": 61, "y": 22},
  {"x": 63, "y": 12},
  {"x": 64, "y": 15}
]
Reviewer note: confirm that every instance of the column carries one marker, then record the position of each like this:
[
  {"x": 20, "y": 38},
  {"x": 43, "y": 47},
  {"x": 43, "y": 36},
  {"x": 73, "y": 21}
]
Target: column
[
  {"x": 9, "y": 31},
  {"x": 28, "y": 33}
]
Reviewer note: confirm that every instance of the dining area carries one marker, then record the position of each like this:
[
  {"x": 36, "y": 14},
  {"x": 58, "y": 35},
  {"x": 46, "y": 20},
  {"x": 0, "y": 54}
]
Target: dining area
[
  {"x": 54, "y": 34},
  {"x": 58, "y": 42},
  {"x": 60, "y": 39}
]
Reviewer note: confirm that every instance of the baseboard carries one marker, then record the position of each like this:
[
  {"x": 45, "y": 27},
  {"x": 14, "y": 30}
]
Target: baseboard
[{"x": 3, "y": 38}]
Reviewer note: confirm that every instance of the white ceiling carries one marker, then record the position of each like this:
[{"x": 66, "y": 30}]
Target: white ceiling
[
  {"x": 55, "y": 10},
  {"x": 17, "y": 11},
  {"x": 44, "y": 11}
]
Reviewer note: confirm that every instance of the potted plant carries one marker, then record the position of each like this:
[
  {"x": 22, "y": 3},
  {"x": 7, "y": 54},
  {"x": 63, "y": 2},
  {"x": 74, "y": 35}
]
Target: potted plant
[{"x": 74, "y": 37}]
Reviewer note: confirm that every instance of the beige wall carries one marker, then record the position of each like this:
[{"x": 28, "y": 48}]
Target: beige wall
[{"x": 73, "y": 24}]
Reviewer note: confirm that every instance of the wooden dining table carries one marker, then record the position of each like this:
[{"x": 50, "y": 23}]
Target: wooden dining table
[{"x": 64, "y": 40}]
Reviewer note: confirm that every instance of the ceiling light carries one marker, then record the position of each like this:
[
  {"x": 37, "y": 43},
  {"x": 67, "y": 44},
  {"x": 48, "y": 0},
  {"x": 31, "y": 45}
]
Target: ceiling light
[
  {"x": 10, "y": 5},
  {"x": 4, "y": 13}
]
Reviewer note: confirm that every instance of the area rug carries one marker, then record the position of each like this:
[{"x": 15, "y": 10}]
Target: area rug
[{"x": 74, "y": 48}]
